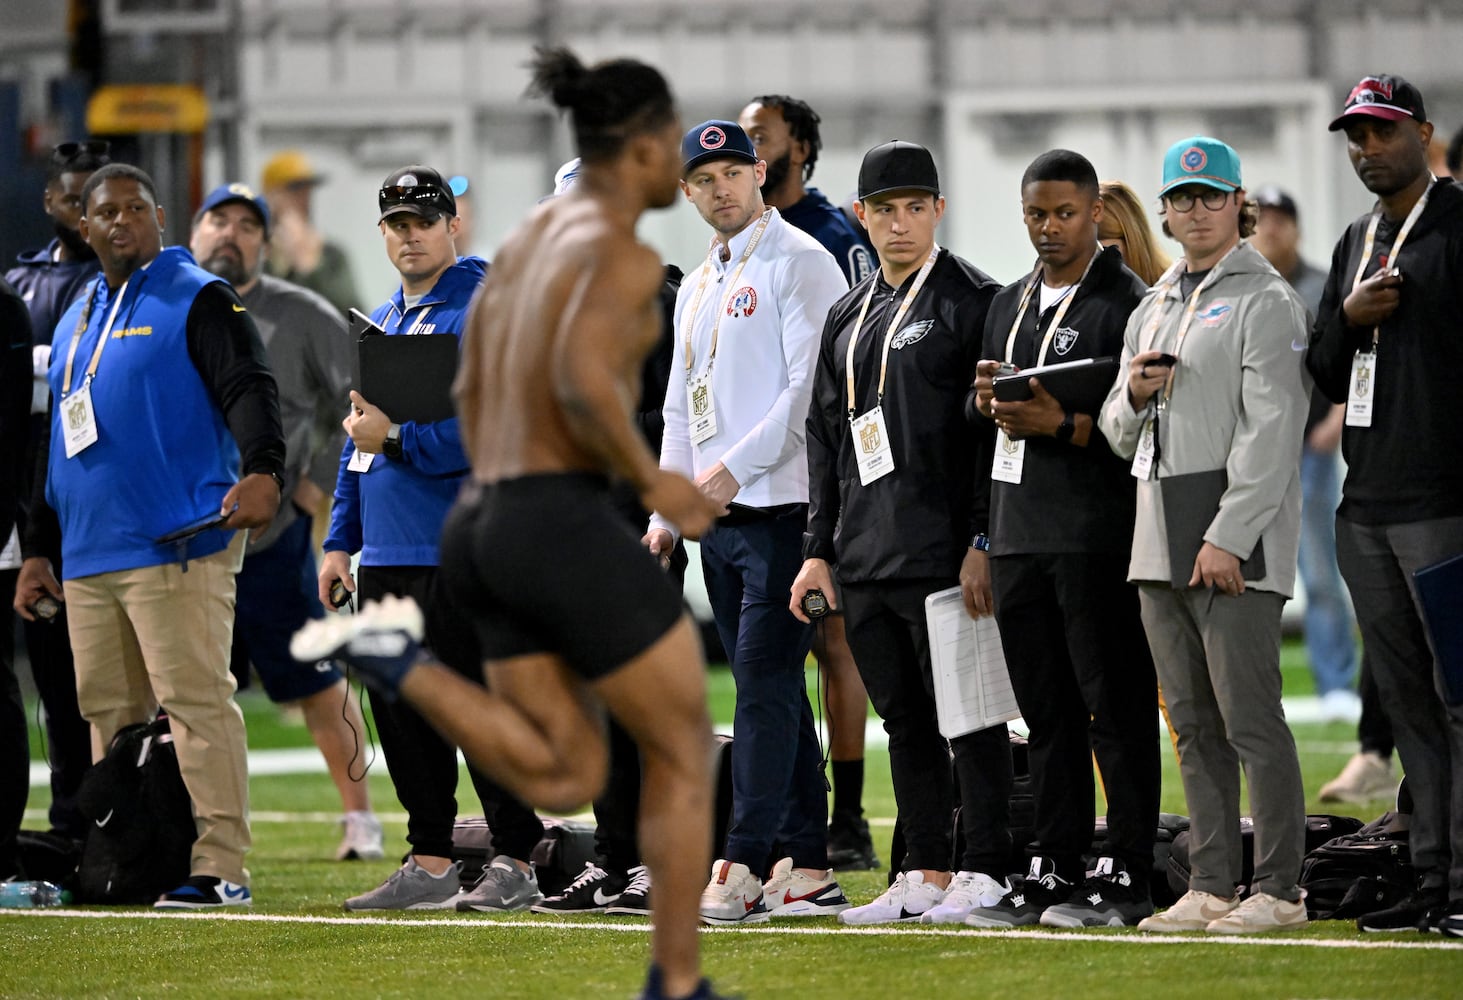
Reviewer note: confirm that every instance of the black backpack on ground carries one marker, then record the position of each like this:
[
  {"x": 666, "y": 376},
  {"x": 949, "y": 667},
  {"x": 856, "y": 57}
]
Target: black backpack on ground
[
  {"x": 557, "y": 858},
  {"x": 1361, "y": 872},
  {"x": 1319, "y": 829},
  {"x": 140, "y": 830}
]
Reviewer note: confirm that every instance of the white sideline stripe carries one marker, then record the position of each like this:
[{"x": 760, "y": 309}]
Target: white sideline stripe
[
  {"x": 307, "y": 760},
  {"x": 1364, "y": 944}
]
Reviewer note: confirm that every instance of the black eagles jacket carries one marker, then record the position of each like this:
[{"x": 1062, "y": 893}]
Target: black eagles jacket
[{"x": 915, "y": 522}]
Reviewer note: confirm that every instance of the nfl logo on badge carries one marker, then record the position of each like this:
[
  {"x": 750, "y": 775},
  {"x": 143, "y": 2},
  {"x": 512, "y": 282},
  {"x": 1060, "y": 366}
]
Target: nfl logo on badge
[{"x": 869, "y": 438}]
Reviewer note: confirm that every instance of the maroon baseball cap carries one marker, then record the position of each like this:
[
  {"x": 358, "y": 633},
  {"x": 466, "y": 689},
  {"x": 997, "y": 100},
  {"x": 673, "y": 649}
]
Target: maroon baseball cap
[{"x": 1382, "y": 96}]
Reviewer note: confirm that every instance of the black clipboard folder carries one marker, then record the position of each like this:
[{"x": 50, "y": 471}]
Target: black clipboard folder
[
  {"x": 1440, "y": 592},
  {"x": 408, "y": 376},
  {"x": 1080, "y": 386}
]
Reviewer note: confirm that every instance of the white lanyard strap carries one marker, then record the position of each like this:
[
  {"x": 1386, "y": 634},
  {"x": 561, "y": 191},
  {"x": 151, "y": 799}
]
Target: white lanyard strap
[
  {"x": 731, "y": 287},
  {"x": 1402, "y": 234},
  {"x": 1056, "y": 322},
  {"x": 81, "y": 325},
  {"x": 1166, "y": 284},
  {"x": 909, "y": 297}
]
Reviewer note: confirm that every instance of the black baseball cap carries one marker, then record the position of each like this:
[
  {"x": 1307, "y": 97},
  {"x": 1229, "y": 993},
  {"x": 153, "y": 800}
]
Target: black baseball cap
[
  {"x": 1382, "y": 96},
  {"x": 418, "y": 190},
  {"x": 897, "y": 166},
  {"x": 715, "y": 140},
  {"x": 1271, "y": 196}
]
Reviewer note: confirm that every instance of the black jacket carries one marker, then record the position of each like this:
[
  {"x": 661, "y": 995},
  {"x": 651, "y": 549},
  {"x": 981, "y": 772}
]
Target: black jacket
[
  {"x": 15, "y": 378},
  {"x": 1406, "y": 466},
  {"x": 914, "y": 523},
  {"x": 1070, "y": 499}
]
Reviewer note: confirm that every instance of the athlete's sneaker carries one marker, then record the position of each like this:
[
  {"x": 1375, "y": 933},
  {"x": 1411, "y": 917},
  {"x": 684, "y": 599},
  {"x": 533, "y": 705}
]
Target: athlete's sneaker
[
  {"x": 362, "y": 840},
  {"x": 790, "y": 893},
  {"x": 733, "y": 896},
  {"x": 1367, "y": 777},
  {"x": 205, "y": 892},
  {"x": 411, "y": 887},
  {"x": 908, "y": 899},
  {"x": 1194, "y": 911},
  {"x": 502, "y": 888},
  {"x": 1110, "y": 897},
  {"x": 592, "y": 891},
  {"x": 968, "y": 891},
  {"x": 382, "y": 642},
  {"x": 1028, "y": 899},
  {"x": 1260, "y": 913},
  {"x": 635, "y": 900},
  {"x": 654, "y": 990},
  {"x": 850, "y": 848},
  {"x": 1408, "y": 914}
]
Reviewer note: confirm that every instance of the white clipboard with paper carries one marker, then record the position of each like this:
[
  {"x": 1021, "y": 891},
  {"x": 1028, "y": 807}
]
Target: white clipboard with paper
[{"x": 972, "y": 687}]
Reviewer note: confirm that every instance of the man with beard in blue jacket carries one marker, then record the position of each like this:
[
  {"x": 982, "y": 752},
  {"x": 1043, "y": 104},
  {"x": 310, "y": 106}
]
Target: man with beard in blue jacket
[{"x": 397, "y": 480}]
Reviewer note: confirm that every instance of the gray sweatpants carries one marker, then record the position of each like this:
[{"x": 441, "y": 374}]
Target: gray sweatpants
[{"x": 1218, "y": 660}]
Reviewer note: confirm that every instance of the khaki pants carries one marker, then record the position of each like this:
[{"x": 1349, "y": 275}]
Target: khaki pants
[{"x": 158, "y": 636}]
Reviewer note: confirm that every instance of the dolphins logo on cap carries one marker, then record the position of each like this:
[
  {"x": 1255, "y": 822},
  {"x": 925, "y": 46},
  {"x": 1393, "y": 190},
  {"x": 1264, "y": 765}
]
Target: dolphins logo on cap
[{"x": 1194, "y": 159}]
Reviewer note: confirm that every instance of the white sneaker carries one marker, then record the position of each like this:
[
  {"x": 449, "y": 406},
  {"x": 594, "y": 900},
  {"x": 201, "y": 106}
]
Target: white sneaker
[
  {"x": 362, "y": 840},
  {"x": 1341, "y": 705},
  {"x": 733, "y": 896},
  {"x": 909, "y": 898},
  {"x": 1194, "y": 911},
  {"x": 790, "y": 893},
  {"x": 1367, "y": 777},
  {"x": 1261, "y": 912},
  {"x": 968, "y": 891}
]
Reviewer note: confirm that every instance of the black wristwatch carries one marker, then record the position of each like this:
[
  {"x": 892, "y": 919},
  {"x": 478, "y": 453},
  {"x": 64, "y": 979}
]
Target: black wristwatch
[
  {"x": 391, "y": 447},
  {"x": 1065, "y": 429}
]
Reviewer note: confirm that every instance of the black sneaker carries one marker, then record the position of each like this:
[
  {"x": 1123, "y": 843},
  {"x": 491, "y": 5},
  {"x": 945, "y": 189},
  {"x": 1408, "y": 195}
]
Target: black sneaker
[
  {"x": 1108, "y": 898},
  {"x": 204, "y": 892},
  {"x": 1448, "y": 920},
  {"x": 1408, "y": 914},
  {"x": 1028, "y": 899},
  {"x": 850, "y": 848},
  {"x": 591, "y": 892},
  {"x": 634, "y": 901},
  {"x": 655, "y": 991}
]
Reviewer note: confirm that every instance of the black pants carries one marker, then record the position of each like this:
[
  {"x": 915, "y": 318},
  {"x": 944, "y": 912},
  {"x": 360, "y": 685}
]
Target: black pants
[
  {"x": 423, "y": 765},
  {"x": 889, "y": 638},
  {"x": 14, "y": 747},
  {"x": 1084, "y": 680},
  {"x": 1373, "y": 729}
]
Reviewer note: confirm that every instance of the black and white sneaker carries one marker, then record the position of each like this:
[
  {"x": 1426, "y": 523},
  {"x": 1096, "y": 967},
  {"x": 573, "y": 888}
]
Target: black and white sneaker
[
  {"x": 382, "y": 642},
  {"x": 1110, "y": 897},
  {"x": 205, "y": 892},
  {"x": 592, "y": 891},
  {"x": 1028, "y": 899},
  {"x": 635, "y": 900}
]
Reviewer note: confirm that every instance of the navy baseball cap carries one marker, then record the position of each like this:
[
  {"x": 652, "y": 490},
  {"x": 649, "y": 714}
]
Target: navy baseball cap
[
  {"x": 1200, "y": 159},
  {"x": 1381, "y": 96},
  {"x": 241, "y": 193},
  {"x": 715, "y": 140},
  {"x": 897, "y": 166},
  {"x": 418, "y": 190}
]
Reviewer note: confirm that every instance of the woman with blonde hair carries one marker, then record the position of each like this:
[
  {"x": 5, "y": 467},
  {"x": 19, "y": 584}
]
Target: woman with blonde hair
[{"x": 1126, "y": 224}]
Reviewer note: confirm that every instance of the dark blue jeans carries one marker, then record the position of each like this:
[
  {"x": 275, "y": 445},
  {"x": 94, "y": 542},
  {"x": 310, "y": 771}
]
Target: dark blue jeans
[{"x": 778, "y": 793}]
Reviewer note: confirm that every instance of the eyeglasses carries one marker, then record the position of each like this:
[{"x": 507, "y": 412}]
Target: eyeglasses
[
  {"x": 396, "y": 194},
  {"x": 91, "y": 147},
  {"x": 1183, "y": 201}
]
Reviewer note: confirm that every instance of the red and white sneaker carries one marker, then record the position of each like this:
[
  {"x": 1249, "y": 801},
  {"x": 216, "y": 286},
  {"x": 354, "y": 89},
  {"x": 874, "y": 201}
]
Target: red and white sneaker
[
  {"x": 733, "y": 896},
  {"x": 790, "y": 893}
]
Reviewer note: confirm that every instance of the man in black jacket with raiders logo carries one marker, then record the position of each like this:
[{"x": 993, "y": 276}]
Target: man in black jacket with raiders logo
[
  {"x": 892, "y": 465},
  {"x": 1061, "y": 528}
]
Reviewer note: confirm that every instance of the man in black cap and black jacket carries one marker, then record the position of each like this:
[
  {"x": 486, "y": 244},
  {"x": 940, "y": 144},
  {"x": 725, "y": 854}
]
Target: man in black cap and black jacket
[
  {"x": 892, "y": 466},
  {"x": 1061, "y": 529},
  {"x": 1386, "y": 344}
]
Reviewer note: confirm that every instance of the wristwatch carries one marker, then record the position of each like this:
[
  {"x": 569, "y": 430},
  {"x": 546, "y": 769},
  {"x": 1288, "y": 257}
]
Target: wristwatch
[
  {"x": 278, "y": 481},
  {"x": 391, "y": 447},
  {"x": 1065, "y": 428},
  {"x": 981, "y": 542}
]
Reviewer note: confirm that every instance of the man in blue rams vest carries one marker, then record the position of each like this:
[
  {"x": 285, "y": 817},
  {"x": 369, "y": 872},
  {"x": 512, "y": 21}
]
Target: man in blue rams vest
[{"x": 161, "y": 398}]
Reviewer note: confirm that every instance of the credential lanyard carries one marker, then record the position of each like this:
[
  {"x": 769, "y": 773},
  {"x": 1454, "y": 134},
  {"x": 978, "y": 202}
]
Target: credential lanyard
[
  {"x": 81, "y": 324},
  {"x": 909, "y": 297},
  {"x": 1166, "y": 283},
  {"x": 731, "y": 289},
  {"x": 1056, "y": 322},
  {"x": 1402, "y": 234}
]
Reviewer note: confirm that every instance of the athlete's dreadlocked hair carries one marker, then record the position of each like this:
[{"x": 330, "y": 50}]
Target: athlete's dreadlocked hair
[
  {"x": 608, "y": 103},
  {"x": 802, "y": 124}
]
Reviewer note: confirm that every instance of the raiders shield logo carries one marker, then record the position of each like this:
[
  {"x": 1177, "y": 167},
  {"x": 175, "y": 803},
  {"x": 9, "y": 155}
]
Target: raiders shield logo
[
  {"x": 1064, "y": 338},
  {"x": 868, "y": 438}
]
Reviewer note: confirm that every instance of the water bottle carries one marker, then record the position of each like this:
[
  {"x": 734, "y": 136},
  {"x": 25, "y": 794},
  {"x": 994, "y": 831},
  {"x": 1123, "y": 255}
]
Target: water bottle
[{"x": 18, "y": 895}]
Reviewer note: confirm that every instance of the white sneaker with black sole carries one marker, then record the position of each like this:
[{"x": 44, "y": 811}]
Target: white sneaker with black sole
[{"x": 733, "y": 896}]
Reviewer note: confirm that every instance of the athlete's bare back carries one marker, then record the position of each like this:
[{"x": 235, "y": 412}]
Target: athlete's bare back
[{"x": 555, "y": 340}]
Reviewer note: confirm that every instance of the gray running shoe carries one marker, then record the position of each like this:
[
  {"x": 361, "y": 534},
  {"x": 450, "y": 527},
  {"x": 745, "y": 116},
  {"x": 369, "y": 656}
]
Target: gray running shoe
[
  {"x": 501, "y": 889},
  {"x": 411, "y": 887}
]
